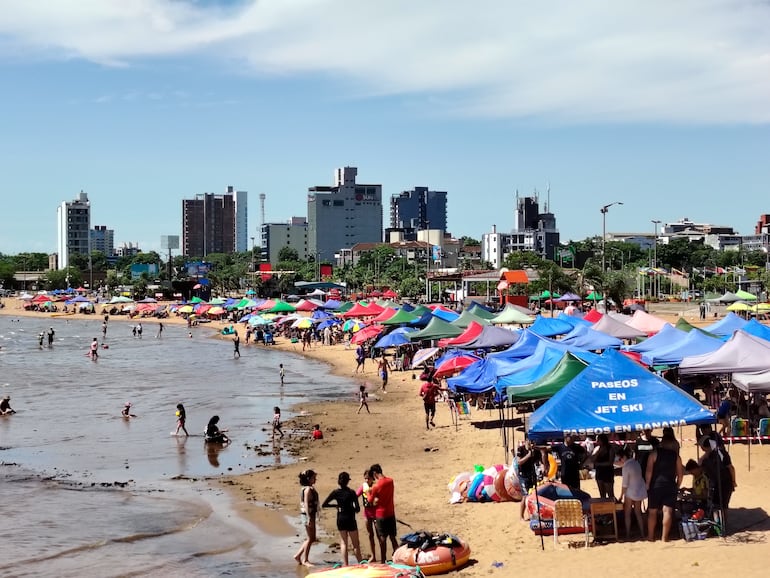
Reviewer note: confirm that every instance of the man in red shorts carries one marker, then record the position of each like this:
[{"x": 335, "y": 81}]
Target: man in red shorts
[{"x": 385, "y": 511}]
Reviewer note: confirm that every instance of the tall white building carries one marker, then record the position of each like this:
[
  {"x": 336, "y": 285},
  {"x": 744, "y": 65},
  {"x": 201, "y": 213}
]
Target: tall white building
[
  {"x": 73, "y": 229},
  {"x": 241, "y": 219}
]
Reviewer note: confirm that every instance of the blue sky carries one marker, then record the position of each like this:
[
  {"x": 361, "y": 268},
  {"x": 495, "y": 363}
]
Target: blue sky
[{"x": 661, "y": 105}]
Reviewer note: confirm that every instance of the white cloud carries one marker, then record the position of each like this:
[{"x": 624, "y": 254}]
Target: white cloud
[{"x": 691, "y": 61}]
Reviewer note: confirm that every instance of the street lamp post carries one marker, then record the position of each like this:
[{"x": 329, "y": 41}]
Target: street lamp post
[
  {"x": 427, "y": 261},
  {"x": 604, "y": 210},
  {"x": 656, "y": 283}
]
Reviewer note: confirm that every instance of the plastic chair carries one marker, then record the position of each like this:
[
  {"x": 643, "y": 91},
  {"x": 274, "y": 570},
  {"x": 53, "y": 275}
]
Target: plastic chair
[
  {"x": 763, "y": 429},
  {"x": 568, "y": 515}
]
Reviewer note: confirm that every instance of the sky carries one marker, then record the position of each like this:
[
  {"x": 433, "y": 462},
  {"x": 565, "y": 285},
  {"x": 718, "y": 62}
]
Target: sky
[{"x": 663, "y": 106}]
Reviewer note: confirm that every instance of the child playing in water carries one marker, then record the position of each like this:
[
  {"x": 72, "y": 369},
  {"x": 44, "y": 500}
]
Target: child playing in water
[
  {"x": 277, "y": 421},
  {"x": 181, "y": 415}
]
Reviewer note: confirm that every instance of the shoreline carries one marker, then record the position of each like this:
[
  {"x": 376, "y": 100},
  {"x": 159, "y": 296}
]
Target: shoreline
[{"x": 422, "y": 462}]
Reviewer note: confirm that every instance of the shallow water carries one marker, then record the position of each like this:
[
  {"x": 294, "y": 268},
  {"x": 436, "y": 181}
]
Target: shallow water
[{"x": 87, "y": 492}]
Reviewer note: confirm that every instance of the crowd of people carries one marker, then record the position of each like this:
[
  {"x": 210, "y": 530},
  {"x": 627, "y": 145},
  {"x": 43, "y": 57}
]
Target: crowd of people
[{"x": 650, "y": 468}]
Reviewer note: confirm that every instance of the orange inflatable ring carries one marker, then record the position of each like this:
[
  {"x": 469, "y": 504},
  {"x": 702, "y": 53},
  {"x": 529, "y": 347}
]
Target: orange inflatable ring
[
  {"x": 553, "y": 467},
  {"x": 500, "y": 486},
  {"x": 438, "y": 559}
]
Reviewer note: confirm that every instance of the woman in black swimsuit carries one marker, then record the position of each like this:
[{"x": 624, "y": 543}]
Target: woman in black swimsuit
[{"x": 346, "y": 502}]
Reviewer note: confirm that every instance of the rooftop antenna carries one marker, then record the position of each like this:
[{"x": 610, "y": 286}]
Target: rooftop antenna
[{"x": 547, "y": 195}]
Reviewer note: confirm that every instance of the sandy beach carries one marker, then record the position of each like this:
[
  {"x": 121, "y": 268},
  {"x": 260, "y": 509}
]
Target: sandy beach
[{"x": 423, "y": 462}]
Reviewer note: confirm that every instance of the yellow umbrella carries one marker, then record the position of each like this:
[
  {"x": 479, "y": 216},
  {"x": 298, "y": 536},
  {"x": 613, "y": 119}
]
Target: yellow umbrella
[
  {"x": 186, "y": 309},
  {"x": 739, "y": 306},
  {"x": 761, "y": 307}
]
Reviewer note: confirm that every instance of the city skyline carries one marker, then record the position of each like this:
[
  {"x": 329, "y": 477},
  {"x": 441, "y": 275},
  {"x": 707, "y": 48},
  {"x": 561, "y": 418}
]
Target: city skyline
[{"x": 661, "y": 107}]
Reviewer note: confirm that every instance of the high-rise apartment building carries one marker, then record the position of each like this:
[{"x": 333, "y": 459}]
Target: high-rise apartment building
[
  {"x": 343, "y": 215},
  {"x": 73, "y": 229},
  {"x": 103, "y": 240},
  {"x": 214, "y": 223},
  {"x": 276, "y": 236},
  {"x": 418, "y": 209}
]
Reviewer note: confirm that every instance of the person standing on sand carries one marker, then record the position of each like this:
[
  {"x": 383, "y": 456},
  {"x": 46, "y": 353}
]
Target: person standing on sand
[
  {"x": 365, "y": 491},
  {"x": 181, "y": 416},
  {"x": 363, "y": 399},
  {"x": 664, "y": 477},
  {"x": 236, "y": 345},
  {"x": 346, "y": 502},
  {"x": 385, "y": 510},
  {"x": 428, "y": 392},
  {"x": 308, "y": 507},
  {"x": 383, "y": 367},
  {"x": 360, "y": 359}
]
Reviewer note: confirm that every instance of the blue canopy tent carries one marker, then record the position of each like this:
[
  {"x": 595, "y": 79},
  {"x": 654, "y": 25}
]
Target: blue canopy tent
[
  {"x": 667, "y": 336},
  {"x": 399, "y": 336},
  {"x": 331, "y": 304},
  {"x": 550, "y": 327},
  {"x": 695, "y": 343},
  {"x": 586, "y": 338},
  {"x": 445, "y": 315},
  {"x": 573, "y": 320},
  {"x": 615, "y": 395},
  {"x": 726, "y": 326},
  {"x": 756, "y": 329}
]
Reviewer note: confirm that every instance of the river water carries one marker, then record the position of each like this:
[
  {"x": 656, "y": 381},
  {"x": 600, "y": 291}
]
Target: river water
[{"x": 86, "y": 492}]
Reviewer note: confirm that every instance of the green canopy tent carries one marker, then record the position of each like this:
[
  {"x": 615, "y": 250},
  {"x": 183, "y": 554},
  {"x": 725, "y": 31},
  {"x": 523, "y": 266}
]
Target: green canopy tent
[
  {"x": 467, "y": 317},
  {"x": 401, "y": 317},
  {"x": 345, "y": 307},
  {"x": 511, "y": 315},
  {"x": 547, "y": 386},
  {"x": 435, "y": 329},
  {"x": 745, "y": 295},
  {"x": 594, "y": 296},
  {"x": 281, "y": 307}
]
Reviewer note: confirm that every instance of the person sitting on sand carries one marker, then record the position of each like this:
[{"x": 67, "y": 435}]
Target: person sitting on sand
[
  {"x": 5, "y": 406},
  {"x": 317, "y": 433},
  {"x": 213, "y": 434}
]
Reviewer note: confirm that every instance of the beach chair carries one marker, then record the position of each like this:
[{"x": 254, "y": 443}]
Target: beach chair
[
  {"x": 763, "y": 430},
  {"x": 740, "y": 431},
  {"x": 568, "y": 516}
]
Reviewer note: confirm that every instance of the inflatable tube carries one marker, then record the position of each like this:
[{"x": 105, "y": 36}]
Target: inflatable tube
[
  {"x": 512, "y": 485},
  {"x": 548, "y": 493},
  {"x": 502, "y": 493},
  {"x": 438, "y": 559},
  {"x": 458, "y": 486},
  {"x": 475, "y": 486},
  {"x": 372, "y": 571},
  {"x": 553, "y": 467},
  {"x": 486, "y": 482}
]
